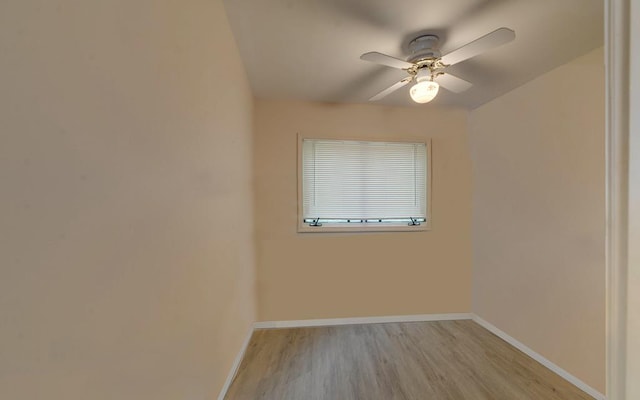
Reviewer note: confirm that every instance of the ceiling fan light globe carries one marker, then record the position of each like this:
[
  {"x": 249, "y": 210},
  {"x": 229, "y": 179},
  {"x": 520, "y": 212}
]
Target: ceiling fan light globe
[{"x": 424, "y": 92}]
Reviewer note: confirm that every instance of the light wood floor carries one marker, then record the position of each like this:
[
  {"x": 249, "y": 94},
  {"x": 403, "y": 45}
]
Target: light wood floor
[{"x": 394, "y": 361}]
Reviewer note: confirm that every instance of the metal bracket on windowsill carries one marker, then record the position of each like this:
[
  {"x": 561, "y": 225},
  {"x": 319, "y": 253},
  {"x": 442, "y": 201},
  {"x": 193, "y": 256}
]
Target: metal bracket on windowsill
[{"x": 315, "y": 222}]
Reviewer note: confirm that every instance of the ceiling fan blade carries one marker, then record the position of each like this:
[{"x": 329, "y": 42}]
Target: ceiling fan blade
[
  {"x": 392, "y": 88},
  {"x": 384, "y": 59},
  {"x": 489, "y": 41},
  {"x": 453, "y": 83}
]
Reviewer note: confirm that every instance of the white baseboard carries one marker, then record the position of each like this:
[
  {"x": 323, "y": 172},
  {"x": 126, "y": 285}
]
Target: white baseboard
[
  {"x": 539, "y": 358},
  {"x": 236, "y": 364},
  {"x": 360, "y": 320}
]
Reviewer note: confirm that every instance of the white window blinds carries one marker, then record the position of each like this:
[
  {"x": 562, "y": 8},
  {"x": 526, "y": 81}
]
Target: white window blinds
[{"x": 364, "y": 182}]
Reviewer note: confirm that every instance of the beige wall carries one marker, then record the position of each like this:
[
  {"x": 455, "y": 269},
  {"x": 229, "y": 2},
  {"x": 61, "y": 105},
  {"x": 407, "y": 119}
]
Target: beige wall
[
  {"x": 538, "y": 216},
  {"x": 633, "y": 306},
  {"x": 307, "y": 275},
  {"x": 125, "y": 168}
]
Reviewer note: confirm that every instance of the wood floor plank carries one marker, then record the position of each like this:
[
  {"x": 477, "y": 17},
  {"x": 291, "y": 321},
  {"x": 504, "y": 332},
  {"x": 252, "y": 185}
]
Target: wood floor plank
[{"x": 443, "y": 360}]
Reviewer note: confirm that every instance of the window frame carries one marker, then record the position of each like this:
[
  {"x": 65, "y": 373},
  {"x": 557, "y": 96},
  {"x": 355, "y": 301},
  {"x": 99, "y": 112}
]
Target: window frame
[{"x": 363, "y": 228}]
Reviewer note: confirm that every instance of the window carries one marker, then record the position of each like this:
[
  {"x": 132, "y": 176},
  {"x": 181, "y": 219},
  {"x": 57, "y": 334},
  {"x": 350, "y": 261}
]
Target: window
[{"x": 363, "y": 185}]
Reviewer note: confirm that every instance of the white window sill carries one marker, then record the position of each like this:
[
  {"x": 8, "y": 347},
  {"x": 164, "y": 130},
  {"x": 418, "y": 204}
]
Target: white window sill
[{"x": 363, "y": 228}]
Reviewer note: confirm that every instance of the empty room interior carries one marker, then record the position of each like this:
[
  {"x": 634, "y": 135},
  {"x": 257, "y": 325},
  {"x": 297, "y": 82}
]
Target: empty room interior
[{"x": 318, "y": 199}]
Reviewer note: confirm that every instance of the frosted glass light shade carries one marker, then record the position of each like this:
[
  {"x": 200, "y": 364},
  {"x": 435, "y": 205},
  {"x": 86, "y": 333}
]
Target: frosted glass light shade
[{"x": 424, "y": 92}]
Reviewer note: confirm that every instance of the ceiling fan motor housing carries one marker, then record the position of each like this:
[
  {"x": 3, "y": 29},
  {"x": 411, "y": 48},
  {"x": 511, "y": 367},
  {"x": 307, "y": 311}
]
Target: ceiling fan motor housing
[{"x": 423, "y": 48}]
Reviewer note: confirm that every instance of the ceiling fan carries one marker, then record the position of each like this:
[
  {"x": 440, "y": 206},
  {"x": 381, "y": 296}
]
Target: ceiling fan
[{"x": 427, "y": 67}]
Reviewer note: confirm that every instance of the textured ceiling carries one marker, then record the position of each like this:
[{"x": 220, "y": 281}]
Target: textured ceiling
[{"x": 310, "y": 49}]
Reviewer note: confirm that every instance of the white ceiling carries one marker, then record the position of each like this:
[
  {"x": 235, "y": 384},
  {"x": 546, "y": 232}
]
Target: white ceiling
[{"x": 310, "y": 49}]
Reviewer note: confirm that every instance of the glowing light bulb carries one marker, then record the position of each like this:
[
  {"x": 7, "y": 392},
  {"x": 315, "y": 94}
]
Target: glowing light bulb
[{"x": 424, "y": 91}]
